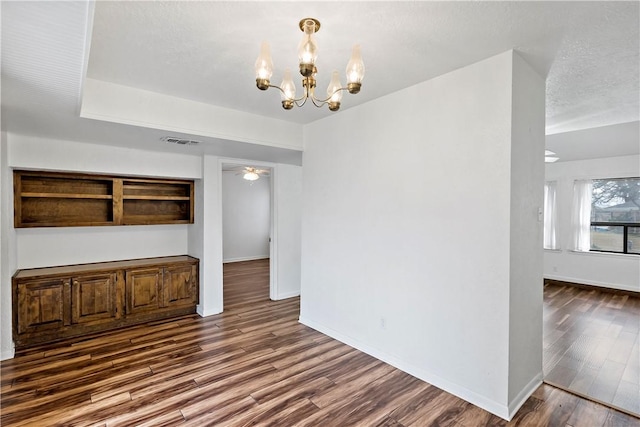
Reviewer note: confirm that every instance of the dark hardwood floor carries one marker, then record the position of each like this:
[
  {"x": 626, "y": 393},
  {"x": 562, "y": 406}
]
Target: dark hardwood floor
[
  {"x": 592, "y": 344},
  {"x": 245, "y": 283},
  {"x": 252, "y": 365}
]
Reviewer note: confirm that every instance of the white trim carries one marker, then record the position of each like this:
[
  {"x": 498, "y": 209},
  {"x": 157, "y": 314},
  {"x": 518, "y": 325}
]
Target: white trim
[
  {"x": 604, "y": 254},
  {"x": 287, "y": 295},
  {"x": 245, "y": 258},
  {"x": 557, "y": 250},
  {"x": 613, "y": 175},
  {"x": 273, "y": 253},
  {"x": 524, "y": 394},
  {"x": 6, "y": 355},
  {"x": 215, "y": 310},
  {"x": 273, "y": 238},
  {"x": 502, "y": 411},
  {"x": 591, "y": 282}
]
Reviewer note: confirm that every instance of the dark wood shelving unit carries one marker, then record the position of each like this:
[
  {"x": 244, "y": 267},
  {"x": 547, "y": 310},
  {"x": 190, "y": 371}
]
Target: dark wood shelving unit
[
  {"x": 51, "y": 199},
  {"x": 47, "y": 200},
  {"x": 156, "y": 202}
]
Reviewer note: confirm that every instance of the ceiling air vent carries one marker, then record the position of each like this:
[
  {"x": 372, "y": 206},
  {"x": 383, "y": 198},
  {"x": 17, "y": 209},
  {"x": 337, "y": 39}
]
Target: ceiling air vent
[{"x": 179, "y": 141}]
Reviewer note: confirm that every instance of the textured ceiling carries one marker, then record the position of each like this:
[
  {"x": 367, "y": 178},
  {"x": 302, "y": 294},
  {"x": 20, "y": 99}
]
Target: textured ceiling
[{"x": 205, "y": 51}]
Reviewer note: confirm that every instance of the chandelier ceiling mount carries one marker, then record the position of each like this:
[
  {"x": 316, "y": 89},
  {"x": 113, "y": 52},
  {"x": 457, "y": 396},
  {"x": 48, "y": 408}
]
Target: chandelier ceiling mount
[{"x": 307, "y": 55}]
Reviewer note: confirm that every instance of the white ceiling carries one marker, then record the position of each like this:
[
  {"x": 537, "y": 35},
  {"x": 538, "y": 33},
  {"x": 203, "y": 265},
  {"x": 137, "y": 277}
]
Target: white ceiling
[{"x": 205, "y": 51}]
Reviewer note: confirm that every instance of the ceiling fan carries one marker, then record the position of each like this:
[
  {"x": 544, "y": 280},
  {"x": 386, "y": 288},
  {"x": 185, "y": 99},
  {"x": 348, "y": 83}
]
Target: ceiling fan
[{"x": 251, "y": 174}]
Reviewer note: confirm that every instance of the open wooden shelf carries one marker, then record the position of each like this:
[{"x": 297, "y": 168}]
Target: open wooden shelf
[
  {"x": 50, "y": 199},
  {"x": 156, "y": 202},
  {"x": 68, "y": 196}
]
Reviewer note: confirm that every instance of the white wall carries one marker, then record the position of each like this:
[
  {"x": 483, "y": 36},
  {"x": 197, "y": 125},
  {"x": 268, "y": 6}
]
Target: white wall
[
  {"x": 122, "y": 104},
  {"x": 609, "y": 270},
  {"x": 7, "y": 250},
  {"x": 406, "y": 235},
  {"x": 205, "y": 236},
  {"x": 48, "y": 154},
  {"x": 527, "y": 183},
  {"x": 45, "y": 247},
  {"x": 287, "y": 192},
  {"x": 246, "y": 217}
]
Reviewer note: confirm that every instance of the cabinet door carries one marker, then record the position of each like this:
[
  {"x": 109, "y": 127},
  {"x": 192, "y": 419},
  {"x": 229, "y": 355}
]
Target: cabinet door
[
  {"x": 42, "y": 305},
  {"x": 93, "y": 298},
  {"x": 142, "y": 290},
  {"x": 180, "y": 285}
]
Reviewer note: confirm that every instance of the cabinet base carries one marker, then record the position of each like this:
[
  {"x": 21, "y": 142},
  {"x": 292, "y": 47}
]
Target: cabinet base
[{"x": 92, "y": 331}]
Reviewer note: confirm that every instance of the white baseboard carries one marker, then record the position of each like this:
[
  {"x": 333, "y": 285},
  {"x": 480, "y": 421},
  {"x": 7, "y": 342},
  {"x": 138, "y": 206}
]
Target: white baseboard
[
  {"x": 524, "y": 394},
  {"x": 591, "y": 282},
  {"x": 245, "y": 258},
  {"x": 502, "y": 411},
  {"x": 287, "y": 295},
  {"x": 7, "y": 354},
  {"x": 215, "y": 310}
]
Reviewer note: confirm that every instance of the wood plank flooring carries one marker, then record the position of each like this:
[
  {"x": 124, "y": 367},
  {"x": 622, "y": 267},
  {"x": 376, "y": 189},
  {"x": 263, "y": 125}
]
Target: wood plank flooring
[
  {"x": 254, "y": 364},
  {"x": 592, "y": 344}
]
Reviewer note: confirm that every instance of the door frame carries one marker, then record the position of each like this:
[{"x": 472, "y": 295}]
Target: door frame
[{"x": 273, "y": 221}]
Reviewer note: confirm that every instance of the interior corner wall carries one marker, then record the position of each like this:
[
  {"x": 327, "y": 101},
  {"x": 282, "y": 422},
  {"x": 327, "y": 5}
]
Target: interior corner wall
[
  {"x": 205, "y": 236},
  {"x": 527, "y": 183},
  {"x": 287, "y": 193},
  {"x": 406, "y": 246},
  {"x": 7, "y": 250},
  {"x": 599, "y": 269},
  {"x": 246, "y": 217}
]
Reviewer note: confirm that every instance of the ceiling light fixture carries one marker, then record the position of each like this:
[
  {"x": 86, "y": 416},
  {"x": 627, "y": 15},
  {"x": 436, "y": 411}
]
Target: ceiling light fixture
[
  {"x": 549, "y": 157},
  {"x": 307, "y": 54},
  {"x": 251, "y": 176}
]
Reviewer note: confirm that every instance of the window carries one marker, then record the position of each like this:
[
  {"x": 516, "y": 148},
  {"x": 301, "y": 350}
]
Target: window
[{"x": 615, "y": 215}]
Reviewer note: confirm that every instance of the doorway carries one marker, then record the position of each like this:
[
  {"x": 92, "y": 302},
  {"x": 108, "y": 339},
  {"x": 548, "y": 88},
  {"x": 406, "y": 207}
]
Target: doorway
[
  {"x": 245, "y": 282},
  {"x": 247, "y": 230},
  {"x": 591, "y": 344}
]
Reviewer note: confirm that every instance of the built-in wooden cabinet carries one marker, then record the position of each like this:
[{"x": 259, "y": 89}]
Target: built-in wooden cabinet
[
  {"x": 143, "y": 290},
  {"x": 152, "y": 289},
  {"x": 41, "y": 305},
  {"x": 93, "y": 298},
  {"x": 54, "y": 303},
  {"x": 177, "y": 290},
  {"x": 51, "y": 199}
]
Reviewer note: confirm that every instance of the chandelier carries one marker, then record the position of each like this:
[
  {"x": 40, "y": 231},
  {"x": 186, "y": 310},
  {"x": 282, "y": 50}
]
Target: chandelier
[{"x": 307, "y": 54}]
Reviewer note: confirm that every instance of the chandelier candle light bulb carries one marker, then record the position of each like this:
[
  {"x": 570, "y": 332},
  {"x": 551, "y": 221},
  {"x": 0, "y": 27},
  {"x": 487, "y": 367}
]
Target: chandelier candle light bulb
[
  {"x": 307, "y": 55},
  {"x": 355, "y": 71},
  {"x": 334, "y": 91},
  {"x": 288, "y": 90},
  {"x": 264, "y": 67},
  {"x": 308, "y": 48}
]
